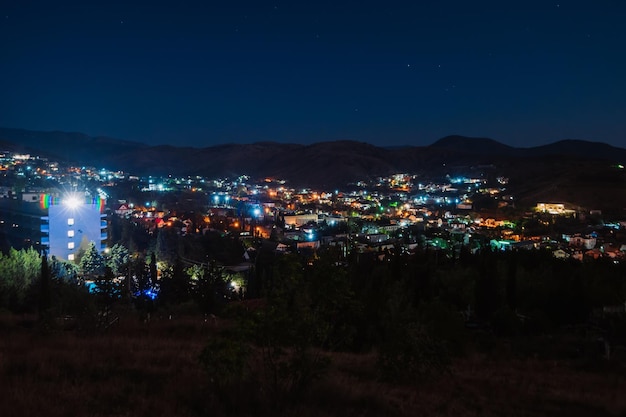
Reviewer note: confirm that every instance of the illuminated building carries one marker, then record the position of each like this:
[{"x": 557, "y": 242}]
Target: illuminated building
[
  {"x": 58, "y": 226},
  {"x": 72, "y": 223}
]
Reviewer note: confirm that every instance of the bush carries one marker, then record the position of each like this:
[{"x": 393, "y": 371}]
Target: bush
[
  {"x": 225, "y": 361},
  {"x": 505, "y": 322},
  {"x": 411, "y": 354}
]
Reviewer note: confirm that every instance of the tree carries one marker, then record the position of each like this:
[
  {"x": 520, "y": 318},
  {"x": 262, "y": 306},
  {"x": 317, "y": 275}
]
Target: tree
[
  {"x": 486, "y": 289},
  {"x": 210, "y": 289},
  {"x": 142, "y": 289},
  {"x": 44, "y": 288},
  {"x": 118, "y": 259},
  {"x": 287, "y": 330},
  {"x": 92, "y": 262},
  {"x": 174, "y": 284},
  {"x": 107, "y": 291},
  {"x": 153, "y": 268},
  {"x": 63, "y": 270},
  {"x": 407, "y": 350},
  {"x": 511, "y": 282},
  {"x": 226, "y": 362},
  {"x": 166, "y": 244},
  {"x": 332, "y": 302},
  {"x": 19, "y": 270}
]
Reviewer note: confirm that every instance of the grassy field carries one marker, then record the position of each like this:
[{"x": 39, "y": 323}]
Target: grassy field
[{"x": 152, "y": 369}]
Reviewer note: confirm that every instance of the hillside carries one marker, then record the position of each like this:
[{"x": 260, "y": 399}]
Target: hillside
[
  {"x": 141, "y": 370},
  {"x": 575, "y": 171},
  {"x": 473, "y": 145},
  {"x": 72, "y": 147}
]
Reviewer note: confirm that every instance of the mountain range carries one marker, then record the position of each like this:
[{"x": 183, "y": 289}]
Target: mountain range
[{"x": 578, "y": 170}]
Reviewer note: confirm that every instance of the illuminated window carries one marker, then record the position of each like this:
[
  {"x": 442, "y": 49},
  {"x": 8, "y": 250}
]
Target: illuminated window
[
  {"x": 70, "y": 222},
  {"x": 70, "y": 233},
  {"x": 70, "y": 257},
  {"x": 70, "y": 245}
]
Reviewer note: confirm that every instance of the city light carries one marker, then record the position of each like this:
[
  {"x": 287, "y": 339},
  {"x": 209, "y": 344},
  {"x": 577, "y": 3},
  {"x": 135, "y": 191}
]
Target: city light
[{"x": 72, "y": 201}]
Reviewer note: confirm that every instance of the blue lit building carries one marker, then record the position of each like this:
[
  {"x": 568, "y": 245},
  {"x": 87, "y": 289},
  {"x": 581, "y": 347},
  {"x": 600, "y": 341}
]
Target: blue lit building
[{"x": 73, "y": 223}]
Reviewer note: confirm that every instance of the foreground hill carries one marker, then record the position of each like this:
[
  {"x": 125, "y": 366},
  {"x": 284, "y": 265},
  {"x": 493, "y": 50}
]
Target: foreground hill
[
  {"x": 580, "y": 172},
  {"x": 153, "y": 369}
]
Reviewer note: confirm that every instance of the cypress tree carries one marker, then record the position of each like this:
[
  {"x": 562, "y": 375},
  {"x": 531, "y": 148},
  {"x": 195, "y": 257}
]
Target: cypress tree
[{"x": 44, "y": 288}]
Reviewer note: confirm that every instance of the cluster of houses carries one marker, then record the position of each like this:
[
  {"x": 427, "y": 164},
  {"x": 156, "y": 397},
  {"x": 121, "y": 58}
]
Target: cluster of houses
[
  {"x": 397, "y": 210},
  {"x": 309, "y": 220}
]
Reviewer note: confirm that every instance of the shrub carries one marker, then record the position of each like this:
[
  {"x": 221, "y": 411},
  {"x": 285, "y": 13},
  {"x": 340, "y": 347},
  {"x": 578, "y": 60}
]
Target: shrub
[{"x": 411, "y": 354}]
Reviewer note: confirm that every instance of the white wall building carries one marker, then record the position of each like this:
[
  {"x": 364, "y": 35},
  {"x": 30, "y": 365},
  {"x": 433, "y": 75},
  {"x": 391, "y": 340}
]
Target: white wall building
[{"x": 73, "y": 223}]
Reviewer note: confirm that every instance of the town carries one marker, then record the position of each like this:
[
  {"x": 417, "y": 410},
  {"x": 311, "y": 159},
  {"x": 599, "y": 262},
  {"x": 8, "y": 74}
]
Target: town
[
  {"x": 258, "y": 286},
  {"x": 251, "y": 208},
  {"x": 400, "y": 211}
]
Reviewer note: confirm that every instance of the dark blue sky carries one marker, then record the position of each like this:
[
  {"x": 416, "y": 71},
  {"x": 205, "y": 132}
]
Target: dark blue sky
[{"x": 385, "y": 72}]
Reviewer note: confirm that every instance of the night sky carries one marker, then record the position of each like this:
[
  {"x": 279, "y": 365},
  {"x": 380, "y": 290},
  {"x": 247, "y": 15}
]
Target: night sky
[{"x": 385, "y": 72}]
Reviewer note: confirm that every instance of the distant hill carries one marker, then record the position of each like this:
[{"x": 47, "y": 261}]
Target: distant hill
[
  {"x": 567, "y": 147},
  {"x": 473, "y": 145},
  {"x": 72, "y": 147},
  {"x": 577, "y": 171},
  {"x": 580, "y": 148}
]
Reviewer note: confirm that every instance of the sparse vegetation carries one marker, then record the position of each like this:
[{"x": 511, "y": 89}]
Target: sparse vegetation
[
  {"x": 152, "y": 369},
  {"x": 383, "y": 333}
]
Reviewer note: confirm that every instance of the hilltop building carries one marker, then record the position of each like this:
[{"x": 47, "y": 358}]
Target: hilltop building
[{"x": 58, "y": 226}]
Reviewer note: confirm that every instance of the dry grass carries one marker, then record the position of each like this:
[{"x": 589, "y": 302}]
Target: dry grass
[
  {"x": 152, "y": 369},
  {"x": 134, "y": 369}
]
